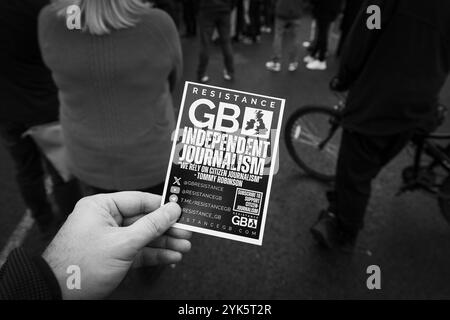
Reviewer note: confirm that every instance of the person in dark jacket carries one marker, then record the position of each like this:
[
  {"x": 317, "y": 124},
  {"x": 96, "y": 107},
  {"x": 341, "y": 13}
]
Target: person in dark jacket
[
  {"x": 29, "y": 97},
  {"x": 129, "y": 229},
  {"x": 214, "y": 14},
  {"x": 324, "y": 13},
  {"x": 287, "y": 15},
  {"x": 394, "y": 76}
]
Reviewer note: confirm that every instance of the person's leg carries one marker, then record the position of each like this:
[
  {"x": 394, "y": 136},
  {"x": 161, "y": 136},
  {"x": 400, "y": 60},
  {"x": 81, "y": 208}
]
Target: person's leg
[
  {"x": 28, "y": 170},
  {"x": 360, "y": 160},
  {"x": 267, "y": 13},
  {"x": 223, "y": 27},
  {"x": 206, "y": 29},
  {"x": 240, "y": 21},
  {"x": 255, "y": 20},
  {"x": 271, "y": 13},
  {"x": 323, "y": 29},
  {"x": 187, "y": 17},
  {"x": 296, "y": 41},
  {"x": 194, "y": 14},
  {"x": 278, "y": 39},
  {"x": 177, "y": 11},
  {"x": 358, "y": 163},
  {"x": 312, "y": 47}
]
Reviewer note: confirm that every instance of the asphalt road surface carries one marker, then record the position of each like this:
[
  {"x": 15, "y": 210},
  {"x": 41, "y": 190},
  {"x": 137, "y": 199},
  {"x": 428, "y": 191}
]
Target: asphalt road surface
[{"x": 405, "y": 236}]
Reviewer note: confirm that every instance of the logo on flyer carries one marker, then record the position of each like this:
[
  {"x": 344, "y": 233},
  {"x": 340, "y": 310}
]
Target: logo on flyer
[
  {"x": 257, "y": 123},
  {"x": 245, "y": 222}
]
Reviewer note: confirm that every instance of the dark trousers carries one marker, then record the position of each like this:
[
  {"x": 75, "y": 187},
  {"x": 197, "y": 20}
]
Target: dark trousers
[
  {"x": 30, "y": 169},
  {"x": 240, "y": 20},
  {"x": 255, "y": 19},
  {"x": 190, "y": 17},
  {"x": 207, "y": 22},
  {"x": 91, "y": 190},
  {"x": 320, "y": 46},
  {"x": 268, "y": 9},
  {"x": 360, "y": 159}
]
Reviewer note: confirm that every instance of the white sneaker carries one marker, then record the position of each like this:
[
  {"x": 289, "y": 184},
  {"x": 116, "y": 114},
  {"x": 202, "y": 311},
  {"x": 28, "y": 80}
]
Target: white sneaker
[
  {"x": 273, "y": 66},
  {"x": 227, "y": 76},
  {"x": 247, "y": 41},
  {"x": 204, "y": 79},
  {"x": 293, "y": 66},
  {"x": 317, "y": 65},
  {"x": 308, "y": 59}
]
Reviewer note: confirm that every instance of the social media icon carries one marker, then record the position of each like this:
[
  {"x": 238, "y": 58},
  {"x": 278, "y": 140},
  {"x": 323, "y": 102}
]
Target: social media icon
[
  {"x": 176, "y": 180},
  {"x": 173, "y": 198},
  {"x": 175, "y": 190}
]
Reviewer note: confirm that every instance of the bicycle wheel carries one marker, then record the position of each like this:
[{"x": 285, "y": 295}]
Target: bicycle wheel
[
  {"x": 312, "y": 137},
  {"x": 444, "y": 199}
]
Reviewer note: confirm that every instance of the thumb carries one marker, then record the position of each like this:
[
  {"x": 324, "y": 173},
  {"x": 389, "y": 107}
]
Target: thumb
[{"x": 154, "y": 224}]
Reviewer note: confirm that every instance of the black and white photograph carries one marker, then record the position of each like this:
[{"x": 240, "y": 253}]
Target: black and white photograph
[{"x": 224, "y": 157}]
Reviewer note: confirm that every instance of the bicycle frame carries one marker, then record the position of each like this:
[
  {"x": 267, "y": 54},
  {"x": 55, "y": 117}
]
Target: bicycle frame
[
  {"x": 425, "y": 145},
  {"x": 336, "y": 123}
]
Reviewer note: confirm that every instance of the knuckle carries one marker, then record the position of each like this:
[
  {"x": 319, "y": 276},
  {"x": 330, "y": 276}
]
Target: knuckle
[
  {"x": 82, "y": 204},
  {"x": 153, "y": 226}
]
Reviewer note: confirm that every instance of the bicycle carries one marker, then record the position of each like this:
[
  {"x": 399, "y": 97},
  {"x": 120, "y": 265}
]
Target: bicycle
[{"x": 312, "y": 137}]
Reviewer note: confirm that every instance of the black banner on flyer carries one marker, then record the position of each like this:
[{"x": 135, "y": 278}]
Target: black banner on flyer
[{"x": 223, "y": 159}]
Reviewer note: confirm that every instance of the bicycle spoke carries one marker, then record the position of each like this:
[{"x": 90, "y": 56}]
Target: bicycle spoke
[
  {"x": 313, "y": 138},
  {"x": 314, "y": 141},
  {"x": 332, "y": 150}
]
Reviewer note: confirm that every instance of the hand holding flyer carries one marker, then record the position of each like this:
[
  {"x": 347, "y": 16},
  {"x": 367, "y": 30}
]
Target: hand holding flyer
[{"x": 222, "y": 161}]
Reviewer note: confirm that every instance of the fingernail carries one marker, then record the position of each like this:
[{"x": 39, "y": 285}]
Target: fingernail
[{"x": 173, "y": 210}]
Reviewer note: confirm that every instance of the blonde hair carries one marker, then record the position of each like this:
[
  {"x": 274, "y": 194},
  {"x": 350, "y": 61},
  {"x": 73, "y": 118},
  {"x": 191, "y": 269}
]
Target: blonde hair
[{"x": 99, "y": 17}]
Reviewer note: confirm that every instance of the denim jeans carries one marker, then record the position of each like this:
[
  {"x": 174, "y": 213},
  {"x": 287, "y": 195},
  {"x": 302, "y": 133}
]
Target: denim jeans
[{"x": 280, "y": 26}]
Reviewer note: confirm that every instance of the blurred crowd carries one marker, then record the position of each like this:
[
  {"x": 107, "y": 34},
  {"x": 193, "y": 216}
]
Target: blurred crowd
[{"x": 245, "y": 20}]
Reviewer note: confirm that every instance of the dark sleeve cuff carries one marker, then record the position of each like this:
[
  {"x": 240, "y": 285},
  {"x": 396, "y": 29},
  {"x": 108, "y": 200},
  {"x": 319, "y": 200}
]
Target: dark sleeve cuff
[{"x": 24, "y": 278}]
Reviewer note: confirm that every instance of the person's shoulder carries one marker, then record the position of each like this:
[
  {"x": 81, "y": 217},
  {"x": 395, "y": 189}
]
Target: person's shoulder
[
  {"x": 158, "y": 21},
  {"x": 51, "y": 26},
  {"x": 157, "y": 16},
  {"x": 48, "y": 17},
  {"x": 48, "y": 13}
]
